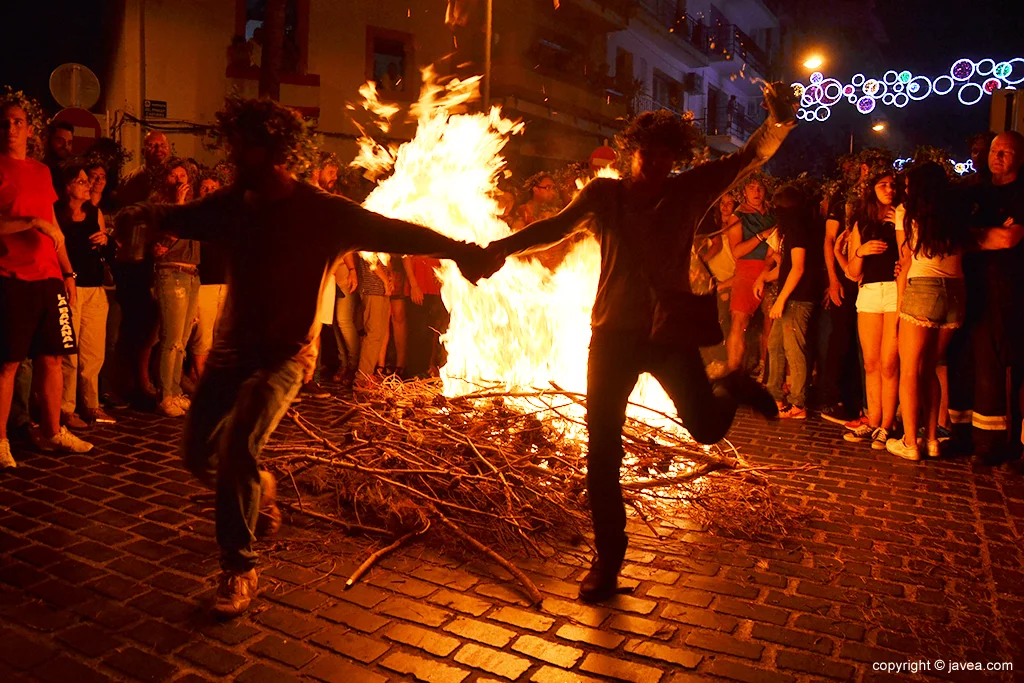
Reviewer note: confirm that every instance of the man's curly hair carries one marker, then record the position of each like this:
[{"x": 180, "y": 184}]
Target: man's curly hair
[
  {"x": 268, "y": 124},
  {"x": 33, "y": 113},
  {"x": 661, "y": 129}
]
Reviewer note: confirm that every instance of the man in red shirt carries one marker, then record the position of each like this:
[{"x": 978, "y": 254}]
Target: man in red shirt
[{"x": 37, "y": 285}]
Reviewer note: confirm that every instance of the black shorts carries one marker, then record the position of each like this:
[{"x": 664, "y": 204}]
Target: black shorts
[{"x": 35, "y": 320}]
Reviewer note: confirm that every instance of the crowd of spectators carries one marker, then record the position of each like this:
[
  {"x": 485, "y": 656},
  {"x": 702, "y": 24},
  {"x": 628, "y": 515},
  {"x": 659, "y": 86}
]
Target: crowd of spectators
[
  {"x": 913, "y": 272},
  {"x": 889, "y": 302}
]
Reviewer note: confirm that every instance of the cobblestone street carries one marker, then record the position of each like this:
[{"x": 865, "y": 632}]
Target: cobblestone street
[{"x": 108, "y": 563}]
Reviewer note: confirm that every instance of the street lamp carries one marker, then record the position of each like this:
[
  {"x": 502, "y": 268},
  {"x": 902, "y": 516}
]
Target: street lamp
[
  {"x": 813, "y": 62},
  {"x": 878, "y": 127}
]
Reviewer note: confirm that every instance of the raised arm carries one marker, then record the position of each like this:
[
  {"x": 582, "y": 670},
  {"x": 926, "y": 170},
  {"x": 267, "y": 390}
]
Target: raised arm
[{"x": 712, "y": 179}]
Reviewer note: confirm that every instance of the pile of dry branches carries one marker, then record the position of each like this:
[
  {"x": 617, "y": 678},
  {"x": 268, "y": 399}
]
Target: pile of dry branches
[{"x": 498, "y": 472}]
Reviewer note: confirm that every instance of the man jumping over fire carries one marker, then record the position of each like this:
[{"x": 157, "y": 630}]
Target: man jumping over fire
[
  {"x": 284, "y": 238},
  {"x": 643, "y": 316}
]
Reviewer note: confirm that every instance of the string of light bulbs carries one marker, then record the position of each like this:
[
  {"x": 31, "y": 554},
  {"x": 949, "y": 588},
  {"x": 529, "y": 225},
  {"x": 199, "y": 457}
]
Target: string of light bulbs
[
  {"x": 959, "y": 167},
  {"x": 971, "y": 80}
]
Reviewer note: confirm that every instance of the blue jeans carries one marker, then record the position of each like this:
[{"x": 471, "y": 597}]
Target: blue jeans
[
  {"x": 788, "y": 343},
  {"x": 346, "y": 335},
  {"x": 177, "y": 295},
  {"x": 235, "y": 410}
]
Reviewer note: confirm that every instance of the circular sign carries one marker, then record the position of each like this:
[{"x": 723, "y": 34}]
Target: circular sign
[
  {"x": 74, "y": 85},
  {"x": 87, "y": 128}
]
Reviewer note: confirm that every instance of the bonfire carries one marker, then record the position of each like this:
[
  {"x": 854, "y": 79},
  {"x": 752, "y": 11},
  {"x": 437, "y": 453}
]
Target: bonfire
[{"x": 493, "y": 454}]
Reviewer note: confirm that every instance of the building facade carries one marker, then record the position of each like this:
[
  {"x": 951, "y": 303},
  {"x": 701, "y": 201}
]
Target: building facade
[
  {"x": 701, "y": 56},
  {"x": 174, "y": 61}
]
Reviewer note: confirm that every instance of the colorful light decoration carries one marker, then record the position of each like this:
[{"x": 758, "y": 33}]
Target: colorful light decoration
[
  {"x": 971, "y": 80},
  {"x": 959, "y": 167}
]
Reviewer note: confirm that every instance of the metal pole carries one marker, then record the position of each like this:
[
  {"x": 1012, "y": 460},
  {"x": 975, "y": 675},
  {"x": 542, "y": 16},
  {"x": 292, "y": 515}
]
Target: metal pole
[
  {"x": 487, "y": 54},
  {"x": 851, "y": 142}
]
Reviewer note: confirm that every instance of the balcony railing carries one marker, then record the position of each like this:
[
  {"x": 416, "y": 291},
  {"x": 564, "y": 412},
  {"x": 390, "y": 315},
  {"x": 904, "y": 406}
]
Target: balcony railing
[
  {"x": 642, "y": 103},
  {"x": 682, "y": 25},
  {"x": 730, "y": 43},
  {"x": 729, "y": 121}
]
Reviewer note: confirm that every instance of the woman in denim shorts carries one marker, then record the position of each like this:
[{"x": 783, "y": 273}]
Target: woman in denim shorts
[
  {"x": 931, "y": 283},
  {"x": 873, "y": 256}
]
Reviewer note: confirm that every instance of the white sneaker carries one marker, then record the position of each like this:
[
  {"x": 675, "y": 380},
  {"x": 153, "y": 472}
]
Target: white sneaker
[
  {"x": 184, "y": 401},
  {"x": 63, "y": 442},
  {"x": 902, "y": 450},
  {"x": 932, "y": 448},
  {"x": 169, "y": 407},
  {"x": 6, "y": 457}
]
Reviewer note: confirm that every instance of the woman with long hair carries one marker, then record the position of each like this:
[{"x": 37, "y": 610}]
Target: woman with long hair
[
  {"x": 932, "y": 300},
  {"x": 89, "y": 247},
  {"x": 176, "y": 290},
  {"x": 748, "y": 233},
  {"x": 873, "y": 253}
]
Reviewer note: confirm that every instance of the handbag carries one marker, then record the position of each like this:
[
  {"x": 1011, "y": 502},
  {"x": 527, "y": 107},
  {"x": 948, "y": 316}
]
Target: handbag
[{"x": 723, "y": 264}]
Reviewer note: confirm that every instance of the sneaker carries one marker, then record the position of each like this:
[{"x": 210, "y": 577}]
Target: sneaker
[
  {"x": 99, "y": 416},
  {"x": 856, "y": 422},
  {"x": 944, "y": 434},
  {"x": 793, "y": 413},
  {"x": 932, "y": 448},
  {"x": 235, "y": 592},
  {"x": 900, "y": 449},
  {"x": 599, "y": 584},
  {"x": 836, "y": 414},
  {"x": 747, "y": 391},
  {"x": 879, "y": 437},
  {"x": 184, "y": 401},
  {"x": 72, "y": 421},
  {"x": 63, "y": 442},
  {"x": 859, "y": 433},
  {"x": 6, "y": 457},
  {"x": 269, "y": 520},
  {"x": 170, "y": 408},
  {"x": 314, "y": 390}
]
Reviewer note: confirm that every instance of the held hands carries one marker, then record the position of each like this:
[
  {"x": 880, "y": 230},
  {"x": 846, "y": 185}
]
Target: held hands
[
  {"x": 476, "y": 263},
  {"x": 159, "y": 250}
]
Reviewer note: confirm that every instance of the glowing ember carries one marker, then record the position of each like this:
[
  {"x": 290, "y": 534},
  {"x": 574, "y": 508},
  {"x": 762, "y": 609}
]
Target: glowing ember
[{"x": 525, "y": 326}]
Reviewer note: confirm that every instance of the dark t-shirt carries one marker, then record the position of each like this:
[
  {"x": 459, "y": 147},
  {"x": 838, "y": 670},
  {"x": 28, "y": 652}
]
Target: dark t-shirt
[
  {"x": 645, "y": 249},
  {"x": 996, "y": 278},
  {"x": 807, "y": 233},
  {"x": 86, "y": 258},
  {"x": 879, "y": 267},
  {"x": 280, "y": 254}
]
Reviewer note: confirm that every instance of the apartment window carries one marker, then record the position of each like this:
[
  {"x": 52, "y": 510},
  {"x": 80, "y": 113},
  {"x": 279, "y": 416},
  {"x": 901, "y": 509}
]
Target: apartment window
[
  {"x": 623, "y": 69},
  {"x": 250, "y": 17},
  {"x": 665, "y": 90},
  {"x": 389, "y": 60}
]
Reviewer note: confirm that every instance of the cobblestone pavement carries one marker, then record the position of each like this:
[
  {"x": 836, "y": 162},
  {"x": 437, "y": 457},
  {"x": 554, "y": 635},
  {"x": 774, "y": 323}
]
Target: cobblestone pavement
[{"x": 107, "y": 563}]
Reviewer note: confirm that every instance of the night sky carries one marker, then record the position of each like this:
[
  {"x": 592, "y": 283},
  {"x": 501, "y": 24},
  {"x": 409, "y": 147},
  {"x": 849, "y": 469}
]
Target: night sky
[{"x": 925, "y": 36}]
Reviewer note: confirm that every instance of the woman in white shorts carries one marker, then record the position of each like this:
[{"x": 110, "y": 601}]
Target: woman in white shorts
[
  {"x": 932, "y": 299},
  {"x": 873, "y": 256}
]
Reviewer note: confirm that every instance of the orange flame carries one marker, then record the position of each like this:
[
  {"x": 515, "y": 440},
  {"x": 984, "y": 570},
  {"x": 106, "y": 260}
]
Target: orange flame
[{"x": 525, "y": 326}]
